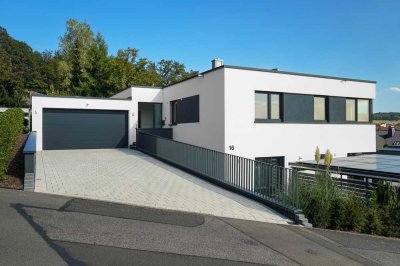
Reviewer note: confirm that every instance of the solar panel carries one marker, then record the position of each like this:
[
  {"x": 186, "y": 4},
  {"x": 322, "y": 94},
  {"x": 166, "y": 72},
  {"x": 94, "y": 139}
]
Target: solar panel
[{"x": 368, "y": 162}]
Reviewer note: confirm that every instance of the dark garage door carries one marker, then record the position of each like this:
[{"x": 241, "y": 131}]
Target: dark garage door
[{"x": 84, "y": 129}]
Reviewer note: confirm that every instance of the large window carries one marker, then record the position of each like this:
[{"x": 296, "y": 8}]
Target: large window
[
  {"x": 267, "y": 106},
  {"x": 357, "y": 110},
  {"x": 363, "y": 110},
  {"x": 350, "y": 110},
  {"x": 319, "y": 108},
  {"x": 185, "y": 110},
  {"x": 174, "y": 105}
]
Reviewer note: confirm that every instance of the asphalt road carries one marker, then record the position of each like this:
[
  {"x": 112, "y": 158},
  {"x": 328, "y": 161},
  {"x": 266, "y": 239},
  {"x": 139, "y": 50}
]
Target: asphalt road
[{"x": 40, "y": 229}]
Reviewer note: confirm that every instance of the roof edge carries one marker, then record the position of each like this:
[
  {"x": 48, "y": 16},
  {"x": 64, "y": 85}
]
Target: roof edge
[
  {"x": 78, "y": 97},
  {"x": 194, "y": 76},
  {"x": 298, "y": 74}
]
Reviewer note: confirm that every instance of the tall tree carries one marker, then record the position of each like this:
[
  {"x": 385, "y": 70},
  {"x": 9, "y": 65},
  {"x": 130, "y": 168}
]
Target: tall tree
[
  {"x": 81, "y": 66},
  {"x": 170, "y": 71},
  {"x": 75, "y": 48}
]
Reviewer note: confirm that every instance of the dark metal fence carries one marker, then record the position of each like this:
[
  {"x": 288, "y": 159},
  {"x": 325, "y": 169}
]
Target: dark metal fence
[
  {"x": 362, "y": 187},
  {"x": 275, "y": 185}
]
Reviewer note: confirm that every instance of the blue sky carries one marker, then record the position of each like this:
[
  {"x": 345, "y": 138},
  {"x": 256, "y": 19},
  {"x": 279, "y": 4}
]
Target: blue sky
[{"x": 355, "y": 39}]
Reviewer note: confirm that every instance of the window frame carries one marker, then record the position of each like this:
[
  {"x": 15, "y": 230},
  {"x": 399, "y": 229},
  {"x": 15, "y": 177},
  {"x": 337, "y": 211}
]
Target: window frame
[
  {"x": 369, "y": 110},
  {"x": 173, "y": 112},
  {"x": 355, "y": 110},
  {"x": 357, "y": 120},
  {"x": 326, "y": 109},
  {"x": 269, "y": 111}
]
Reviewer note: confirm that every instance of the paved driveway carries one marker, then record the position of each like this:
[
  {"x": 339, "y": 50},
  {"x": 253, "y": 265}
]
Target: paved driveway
[{"x": 131, "y": 177}]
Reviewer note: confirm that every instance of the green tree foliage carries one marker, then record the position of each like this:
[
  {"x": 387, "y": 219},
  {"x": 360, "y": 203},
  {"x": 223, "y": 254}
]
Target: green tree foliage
[
  {"x": 171, "y": 71},
  {"x": 392, "y": 116},
  {"x": 81, "y": 66}
]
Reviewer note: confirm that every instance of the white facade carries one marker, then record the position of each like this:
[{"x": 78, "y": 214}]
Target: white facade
[
  {"x": 227, "y": 116},
  {"x": 209, "y": 132},
  {"x": 295, "y": 141},
  {"x": 227, "y": 124}
]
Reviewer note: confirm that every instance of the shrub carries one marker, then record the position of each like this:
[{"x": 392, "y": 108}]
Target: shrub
[
  {"x": 348, "y": 212},
  {"x": 373, "y": 223},
  {"x": 387, "y": 200},
  {"x": 317, "y": 200},
  {"x": 11, "y": 125},
  {"x": 326, "y": 206}
]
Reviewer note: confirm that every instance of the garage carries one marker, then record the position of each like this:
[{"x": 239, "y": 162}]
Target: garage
[{"x": 84, "y": 129}]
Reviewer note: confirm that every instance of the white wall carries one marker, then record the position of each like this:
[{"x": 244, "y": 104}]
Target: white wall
[
  {"x": 209, "y": 132},
  {"x": 40, "y": 102},
  {"x": 144, "y": 95},
  {"x": 290, "y": 140}
]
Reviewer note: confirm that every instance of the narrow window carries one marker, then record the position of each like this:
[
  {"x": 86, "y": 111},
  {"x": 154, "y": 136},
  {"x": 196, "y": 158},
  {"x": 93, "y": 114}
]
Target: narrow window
[
  {"x": 350, "y": 110},
  {"x": 174, "y": 105},
  {"x": 319, "y": 109},
  {"x": 363, "y": 110},
  {"x": 261, "y": 105},
  {"x": 275, "y": 108}
]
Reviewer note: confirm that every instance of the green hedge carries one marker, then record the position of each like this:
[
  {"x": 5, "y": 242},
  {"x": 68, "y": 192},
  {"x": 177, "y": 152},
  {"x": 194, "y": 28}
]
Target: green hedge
[
  {"x": 11, "y": 125},
  {"x": 326, "y": 206}
]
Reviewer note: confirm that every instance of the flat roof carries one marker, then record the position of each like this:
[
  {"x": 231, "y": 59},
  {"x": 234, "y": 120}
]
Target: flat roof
[
  {"x": 274, "y": 71},
  {"x": 79, "y": 97},
  {"x": 299, "y": 74},
  {"x": 368, "y": 165}
]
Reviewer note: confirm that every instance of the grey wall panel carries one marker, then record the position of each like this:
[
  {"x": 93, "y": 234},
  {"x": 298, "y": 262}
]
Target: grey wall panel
[
  {"x": 336, "y": 109},
  {"x": 188, "y": 110},
  {"x": 298, "y": 108},
  {"x": 84, "y": 129},
  {"x": 160, "y": 132}
]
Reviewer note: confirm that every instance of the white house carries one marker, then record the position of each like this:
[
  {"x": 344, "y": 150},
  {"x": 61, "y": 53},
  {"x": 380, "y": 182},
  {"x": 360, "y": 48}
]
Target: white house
[{"x": 269, "y": 115}]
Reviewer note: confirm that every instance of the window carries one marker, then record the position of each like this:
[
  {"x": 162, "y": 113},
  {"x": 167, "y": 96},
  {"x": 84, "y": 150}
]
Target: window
[
  {"x": 350, "y": 110},
  {"x": 275, "y": 108},
  {"x": 319, "y": 108},
  {"x": 267, "y": 106},
  {"x": 357, "y": 110},
  {"x": 363, "y": 110},
  {"x": 261, "y": 102},
  {"x": 174, "y": 105}
]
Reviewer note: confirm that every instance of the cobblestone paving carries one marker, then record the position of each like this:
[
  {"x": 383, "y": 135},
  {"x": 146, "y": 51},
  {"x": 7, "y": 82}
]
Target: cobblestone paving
[{"x": 131, "y": 177}]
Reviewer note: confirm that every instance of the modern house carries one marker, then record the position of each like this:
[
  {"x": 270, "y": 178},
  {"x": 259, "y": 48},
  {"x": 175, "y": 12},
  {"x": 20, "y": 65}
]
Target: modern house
[{"x": 268, "y": 115}]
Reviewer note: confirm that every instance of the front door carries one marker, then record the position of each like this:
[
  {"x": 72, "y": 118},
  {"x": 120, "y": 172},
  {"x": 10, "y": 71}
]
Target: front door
[{"x": 150, "y": 115}]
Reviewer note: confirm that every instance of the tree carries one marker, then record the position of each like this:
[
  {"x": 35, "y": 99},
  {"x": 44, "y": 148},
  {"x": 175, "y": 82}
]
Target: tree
[
  {"x": 170, "y": 71},
  {"x": 75, "y": 48},
  {"x": 81, "y": 66}
]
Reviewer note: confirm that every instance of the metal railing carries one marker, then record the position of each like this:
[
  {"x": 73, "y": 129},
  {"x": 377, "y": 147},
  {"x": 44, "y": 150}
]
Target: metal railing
[
  {"x": 274, "y": 185},
  {"x": 362, "y": 187}
]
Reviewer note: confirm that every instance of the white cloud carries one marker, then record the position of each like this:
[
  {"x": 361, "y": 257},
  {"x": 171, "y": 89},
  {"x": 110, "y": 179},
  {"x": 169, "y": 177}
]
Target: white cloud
[{"x": 395, "y": 89}]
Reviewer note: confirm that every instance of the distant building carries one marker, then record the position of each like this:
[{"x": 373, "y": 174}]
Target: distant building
[{"x": 390, "y": 135}]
